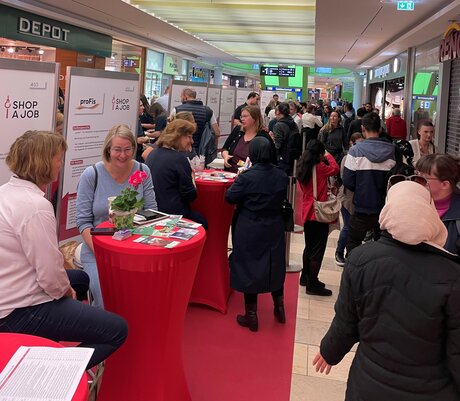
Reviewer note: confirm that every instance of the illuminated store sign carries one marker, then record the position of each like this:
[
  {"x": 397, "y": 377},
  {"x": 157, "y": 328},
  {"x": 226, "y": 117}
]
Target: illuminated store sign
[{"x": 449, "y": 49}]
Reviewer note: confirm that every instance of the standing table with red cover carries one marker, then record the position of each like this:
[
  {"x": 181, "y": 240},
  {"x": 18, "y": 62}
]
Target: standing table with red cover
[
  {"x": 212, "y": 282},
  {"x": 10, "y": 342},
  {"x": 150, "y": 287}
]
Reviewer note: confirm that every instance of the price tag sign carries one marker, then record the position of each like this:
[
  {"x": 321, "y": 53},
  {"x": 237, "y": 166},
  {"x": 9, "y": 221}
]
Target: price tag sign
[{"x": 37, "y": 85}]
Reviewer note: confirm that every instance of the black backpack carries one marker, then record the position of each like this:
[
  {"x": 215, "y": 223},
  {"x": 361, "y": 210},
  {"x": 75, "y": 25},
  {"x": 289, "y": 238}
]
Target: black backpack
[{"x": 293, "y": 146}]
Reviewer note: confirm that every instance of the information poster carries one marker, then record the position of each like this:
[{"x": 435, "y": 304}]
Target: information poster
[
  {"x": 242, "y": 95},
  {"x": 214, "y": 92},
  {"x": 27, "y": 102},
  {"x": 227, "y": 107},
  {"x": 95, "y": 101},
  {"x": 177, "y": 88}
]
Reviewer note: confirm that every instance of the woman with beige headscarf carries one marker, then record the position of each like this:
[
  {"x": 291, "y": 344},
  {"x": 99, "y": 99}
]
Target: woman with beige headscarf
[{"x": 400, "y": 300}]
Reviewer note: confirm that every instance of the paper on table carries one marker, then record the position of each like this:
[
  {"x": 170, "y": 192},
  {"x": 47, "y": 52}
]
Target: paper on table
[{"x": 43, "y": 373}]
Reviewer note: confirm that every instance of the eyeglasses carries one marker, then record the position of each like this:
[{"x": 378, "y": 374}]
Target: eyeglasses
[
  {"x": 120, "y": 150},
  {"x": 395, "y": 179}
]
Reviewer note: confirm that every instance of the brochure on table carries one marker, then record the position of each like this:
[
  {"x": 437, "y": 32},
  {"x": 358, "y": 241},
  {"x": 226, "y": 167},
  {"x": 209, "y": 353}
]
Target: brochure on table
[
  {"x": 27, "y": 102},
  {"x": 96, "y": 100}
]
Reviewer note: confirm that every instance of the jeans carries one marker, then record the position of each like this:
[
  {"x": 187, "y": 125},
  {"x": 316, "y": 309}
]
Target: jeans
[
  {"x": 343, "y": 237},
  {"x": 79, "y": 281},
  {"x": 316, "y": 234},
  {"x": 68, "y": 320},
  {"x": 359, "y": 225},
  {"x": 88, "y": 262}
]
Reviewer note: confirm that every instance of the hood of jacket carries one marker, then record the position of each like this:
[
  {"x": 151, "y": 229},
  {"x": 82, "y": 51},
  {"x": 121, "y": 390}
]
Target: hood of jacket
[{"x": 376, "y": 150}]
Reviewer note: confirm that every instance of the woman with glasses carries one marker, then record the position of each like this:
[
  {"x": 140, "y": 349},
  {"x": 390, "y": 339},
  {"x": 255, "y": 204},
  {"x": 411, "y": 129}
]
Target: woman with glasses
[
  {"x": 105, "y": 179},
  {"x": 399, "y": 299},
  {"x": 443, "y": 174}
]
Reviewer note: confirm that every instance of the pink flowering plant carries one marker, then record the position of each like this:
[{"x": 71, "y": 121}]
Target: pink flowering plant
[{"x": 127, "y": 200}]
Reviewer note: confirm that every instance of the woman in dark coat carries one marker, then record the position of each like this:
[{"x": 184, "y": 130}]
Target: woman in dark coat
[
  {"x": 399, "y": 298},
  {"x": 257, "y": 263}
]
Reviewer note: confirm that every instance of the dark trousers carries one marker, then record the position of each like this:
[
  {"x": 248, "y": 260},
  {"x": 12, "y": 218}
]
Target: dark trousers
[
  {"x": 315, "y": 234},
  {"x": 252, "y": 298},
  {"x": 68, "y": 320},
  {"x": 359, "y": 225},
  {"x": 343, "y": 237},
  {"x": 79, "y": 281}
]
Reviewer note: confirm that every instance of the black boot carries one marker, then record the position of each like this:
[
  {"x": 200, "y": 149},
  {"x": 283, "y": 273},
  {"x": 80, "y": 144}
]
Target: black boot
[
  {"x": 278, "y": 309},
  {"x": 304, "y": 280},
  {"x": 314, "y": 286},
  {"x": 249, "y": 320}
]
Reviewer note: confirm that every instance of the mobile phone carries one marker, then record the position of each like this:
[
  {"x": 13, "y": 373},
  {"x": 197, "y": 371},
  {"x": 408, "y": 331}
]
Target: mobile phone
[{"x": 103, "y": 231}]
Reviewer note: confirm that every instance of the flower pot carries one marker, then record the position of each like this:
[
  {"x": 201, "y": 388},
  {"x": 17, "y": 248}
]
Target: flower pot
[{"x": 122, "y": 219}]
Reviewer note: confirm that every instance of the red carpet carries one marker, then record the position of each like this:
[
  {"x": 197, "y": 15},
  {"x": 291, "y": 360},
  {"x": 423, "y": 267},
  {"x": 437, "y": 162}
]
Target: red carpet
[{"x": 226, "y": 362}]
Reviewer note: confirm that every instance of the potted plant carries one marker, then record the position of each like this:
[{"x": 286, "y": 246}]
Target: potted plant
[{"x": 124, "y": 206}]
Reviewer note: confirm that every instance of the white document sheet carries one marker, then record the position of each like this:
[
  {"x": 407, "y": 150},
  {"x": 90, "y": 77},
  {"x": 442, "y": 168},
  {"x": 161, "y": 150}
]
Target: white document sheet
[{"x": 43, "y": 373}]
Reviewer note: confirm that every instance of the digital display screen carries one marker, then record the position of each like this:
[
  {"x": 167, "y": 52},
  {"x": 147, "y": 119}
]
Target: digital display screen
[{"x": 278, "y": 71}]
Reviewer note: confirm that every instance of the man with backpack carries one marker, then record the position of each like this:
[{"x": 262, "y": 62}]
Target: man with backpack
[{"x": 288, "y": 142}]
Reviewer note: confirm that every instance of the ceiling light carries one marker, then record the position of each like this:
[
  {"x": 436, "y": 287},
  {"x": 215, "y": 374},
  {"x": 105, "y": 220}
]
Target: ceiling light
[
  {"x": 10, "y": 49},
  {"x": 41, "y": 51}
]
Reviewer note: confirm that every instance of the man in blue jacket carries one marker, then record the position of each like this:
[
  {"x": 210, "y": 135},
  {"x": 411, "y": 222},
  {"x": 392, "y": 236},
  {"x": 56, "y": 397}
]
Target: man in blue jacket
[{"x": 365, "y": 173}]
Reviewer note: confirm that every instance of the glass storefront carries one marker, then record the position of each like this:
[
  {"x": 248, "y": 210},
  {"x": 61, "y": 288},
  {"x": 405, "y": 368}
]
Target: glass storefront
[
  {"x": 426, "y": 84},
  {"x": 153, "y": 74},
  {"x": 125, "y": 58}
]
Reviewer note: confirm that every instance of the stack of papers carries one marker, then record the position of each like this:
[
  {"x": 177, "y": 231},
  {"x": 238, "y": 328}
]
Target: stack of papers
[{"x": 43, "y": 373}]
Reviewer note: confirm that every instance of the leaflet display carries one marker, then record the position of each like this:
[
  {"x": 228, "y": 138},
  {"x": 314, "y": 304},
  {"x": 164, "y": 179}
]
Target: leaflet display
[
  {"x": 95, "y": 101},
  {"x": 27, "y": 102}
]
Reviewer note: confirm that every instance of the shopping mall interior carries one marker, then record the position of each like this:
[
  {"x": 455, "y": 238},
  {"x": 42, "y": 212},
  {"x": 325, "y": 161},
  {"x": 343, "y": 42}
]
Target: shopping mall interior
[{"x": 393, "y": 54}]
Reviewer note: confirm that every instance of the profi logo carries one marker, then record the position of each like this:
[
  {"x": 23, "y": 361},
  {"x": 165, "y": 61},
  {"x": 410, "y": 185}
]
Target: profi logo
[
  {"x": 21, "y": 109},
  {"x": 90, "y": 105},
  {"x": 120, "y": 103}
]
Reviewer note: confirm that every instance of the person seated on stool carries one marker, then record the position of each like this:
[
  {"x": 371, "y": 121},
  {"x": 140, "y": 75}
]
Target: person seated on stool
[
  {"x": 36, "y": 296},
  {"x": 257, "y": 263},
  {"x": 113, "y": 174},
  {"x": 171, "y": 171}
]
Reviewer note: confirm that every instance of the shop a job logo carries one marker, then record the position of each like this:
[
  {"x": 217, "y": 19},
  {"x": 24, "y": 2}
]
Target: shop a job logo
[
  {"x": 90, "y": 105},
  {"x": 21, "y": 109},
  {"x": 120, "y": 103}
]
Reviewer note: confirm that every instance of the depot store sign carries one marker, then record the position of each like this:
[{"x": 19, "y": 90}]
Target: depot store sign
[
  {"x": 449, "y": 49},
  {"x": 32, "y": 28}
]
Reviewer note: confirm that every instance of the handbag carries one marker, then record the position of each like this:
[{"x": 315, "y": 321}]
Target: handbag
[
  {"x": 288, "y": 215},
  {"x": 326, "y": 211}
]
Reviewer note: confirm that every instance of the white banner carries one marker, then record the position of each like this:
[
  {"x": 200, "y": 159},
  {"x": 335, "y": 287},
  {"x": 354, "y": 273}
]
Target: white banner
[
  {"x": 266, "y": 96},
  {"x": 214, "y": 93},
  {"x": 227, "y": 107},
  {"x": 96, "y": 100},
  {"x": 27, "y": 102}
]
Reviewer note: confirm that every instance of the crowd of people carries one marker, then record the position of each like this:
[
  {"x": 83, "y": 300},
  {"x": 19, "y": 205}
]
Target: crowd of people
[{"x": 399, "y": 293}]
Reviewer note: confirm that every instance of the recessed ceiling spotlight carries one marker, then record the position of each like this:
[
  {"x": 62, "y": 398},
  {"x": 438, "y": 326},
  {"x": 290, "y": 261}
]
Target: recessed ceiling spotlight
[
  {"x": 10, "y": 50},
  {"x": 41, "y": 51}
]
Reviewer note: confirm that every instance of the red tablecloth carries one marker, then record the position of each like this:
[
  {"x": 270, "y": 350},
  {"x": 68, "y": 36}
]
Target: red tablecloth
[
  {"x": 212, "y": 282},
  {"x": 150, "y": 287},
  {"x": 10, "y": 342}
]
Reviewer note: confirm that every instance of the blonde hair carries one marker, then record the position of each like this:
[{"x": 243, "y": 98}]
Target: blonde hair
[
  {"x": 174, "y": 131},
  {"x": 184, "y": 115},
  {"x": 31, "y": 155},
  {"x": 121, "y": 131},
  {"x": 254, "y": 112},
  {"x": 59, "y": 118}
]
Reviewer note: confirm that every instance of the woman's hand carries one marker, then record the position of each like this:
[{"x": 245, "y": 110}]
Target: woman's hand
[
  {"x": 321, "y": 365},
  {"x": 226, "y": 157}
]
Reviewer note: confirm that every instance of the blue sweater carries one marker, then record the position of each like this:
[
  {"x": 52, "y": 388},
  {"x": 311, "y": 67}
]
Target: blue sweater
[{"x": 365, "y": 173}]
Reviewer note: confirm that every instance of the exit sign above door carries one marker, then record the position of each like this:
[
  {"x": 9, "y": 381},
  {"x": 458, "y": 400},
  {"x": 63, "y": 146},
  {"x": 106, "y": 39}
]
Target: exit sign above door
[{"x": 406, "y": 6}]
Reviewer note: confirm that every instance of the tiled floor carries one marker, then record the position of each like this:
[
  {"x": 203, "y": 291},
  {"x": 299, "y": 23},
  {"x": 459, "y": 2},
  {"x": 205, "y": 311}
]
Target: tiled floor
[{"x": 314, "y": 315}]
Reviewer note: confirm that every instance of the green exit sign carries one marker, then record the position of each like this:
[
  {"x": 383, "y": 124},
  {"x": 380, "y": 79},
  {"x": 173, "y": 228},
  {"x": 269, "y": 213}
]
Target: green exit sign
[{"x": 406, "y": 6}]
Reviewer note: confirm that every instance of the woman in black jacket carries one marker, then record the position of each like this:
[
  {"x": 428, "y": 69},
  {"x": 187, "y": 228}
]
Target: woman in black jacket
[
  {"x": 400, "y": 299},
  {"x": 236, "y": 147},
  {"x": 257, "y": 263}
]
